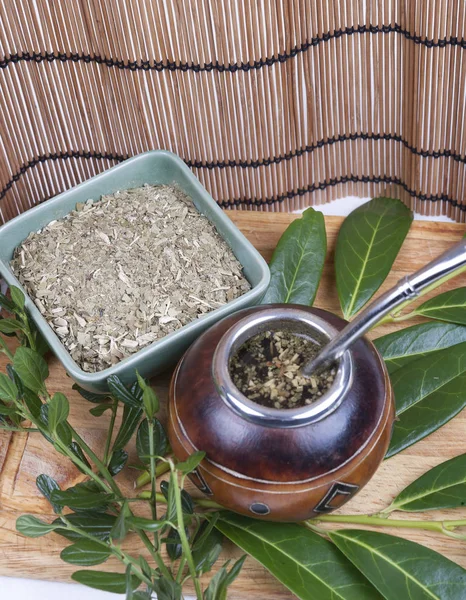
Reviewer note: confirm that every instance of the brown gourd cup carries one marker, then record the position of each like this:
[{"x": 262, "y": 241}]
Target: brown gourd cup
[{"x": 280, "y": 464}]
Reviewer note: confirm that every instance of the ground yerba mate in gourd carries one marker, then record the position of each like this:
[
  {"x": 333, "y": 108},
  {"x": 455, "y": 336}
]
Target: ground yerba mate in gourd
[
  {"x": 119, "y": 273},
  {"x": 266, "y": 369}
]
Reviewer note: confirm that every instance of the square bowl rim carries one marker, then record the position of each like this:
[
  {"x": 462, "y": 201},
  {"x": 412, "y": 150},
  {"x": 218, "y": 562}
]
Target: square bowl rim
[{"x": 202, "y": 322}]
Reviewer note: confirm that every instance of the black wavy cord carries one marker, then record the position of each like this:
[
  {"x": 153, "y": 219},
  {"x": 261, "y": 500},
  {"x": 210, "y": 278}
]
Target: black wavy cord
[
  {"x": 247, "y": 201},
  {"x": 145, "y": 65}
]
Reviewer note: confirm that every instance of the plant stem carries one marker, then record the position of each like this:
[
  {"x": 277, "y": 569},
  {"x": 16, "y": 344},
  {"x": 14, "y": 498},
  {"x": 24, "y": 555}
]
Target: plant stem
[
  {"x": 144, "y": 478},
  {"x": 20, "y": 429},
  {"x": 110, "y": 431},
  {"x": 182, "y": 532},
  {"x": 153, "y": 495},
  {"x": 155, "y": 555},
  {"x": 439, "y": 526},
  {"x": 181, "y": 567}
]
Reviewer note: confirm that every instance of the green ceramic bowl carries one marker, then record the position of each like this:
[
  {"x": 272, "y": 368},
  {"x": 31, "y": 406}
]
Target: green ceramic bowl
[{"x": 157, "y": 167}]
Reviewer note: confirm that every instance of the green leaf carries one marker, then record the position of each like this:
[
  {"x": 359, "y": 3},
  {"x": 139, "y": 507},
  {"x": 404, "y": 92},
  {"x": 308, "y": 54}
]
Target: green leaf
[
  {"x": 7, "y": 304},
  {"x": 107, "y": 582},
  {"x": 401, "y": 569},
  {"x": 367, "y": 245},
  {"x": 117, "y": 462},
  {"x": 191, "y": 463},
  {"x": 96, "y": 524},
  {"x": 143, "y": 443},
  {"x": 13, "y": 375},
  {"x": 140, "y": 595},
  {"x": 119, "y": 391},
  {"x": 298, "y": 260},
  {"x": 121, "y": 526},
  {"x": 307, "y": 564},
  {"x": 33, "y": 527},
  {"x": 77, "y": 451},
  {"x": 218, "y": 586},
  {"x": 8, "y": 390},
  {"x": 33, "y": 402},
  {"x": 46, "y": 485},
  {"x": 145, "y": 524},
  {"x": 17, "y": 297},
  {"x": 90, "y": 396},
  {"x": 149, "y": 398},
  {"x": 173, "y": 544},
  {"x": 32, "y": 368},
  {"x": 166, "y": 589},
  {"x": 444, "y": 486},
  {"x": 82, "y": 496},
  {"x": 449, "y": 306},
  {"x": 187, "y": 504},
  {"x": 99, "y": 410},
  {"x": 10, "y": 325},
  {"x": 129, "y": 423},
  {"x": 85, "y": 553},
  {"x": 58, "y": 411},
  {"x": 428, "y": 393},
  {"x": 407, "y": 345},
  {"x": 7, "y": 411},
  {"x": 206, "y": 548}
]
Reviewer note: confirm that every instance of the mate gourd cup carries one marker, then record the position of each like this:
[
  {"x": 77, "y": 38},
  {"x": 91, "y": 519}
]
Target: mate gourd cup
[{"x": 280, "y": 464}]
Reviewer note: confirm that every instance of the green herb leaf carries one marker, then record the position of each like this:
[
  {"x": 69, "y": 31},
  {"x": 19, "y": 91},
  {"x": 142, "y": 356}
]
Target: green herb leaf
[
  {"x": 121, "y": 527},
  {"x": 449, "y": 306},
  {"x": 307, "y": 564},
  {"x": 7, "y": 304},
  {"x": 33, "y": 527},
  {"x": 428, "y": 393},
  {"x": 187, "y": 504},
  {"x": 401, "y": 569},
  {"x": 96, "y": 524},
  {"x": 140, "y": 595},
  {"x": 99, "y": 410},
  {"x": 142, "y": 440},
  {"x": 444, "y": 486},
  {"x": 367, "y": 245},
  {"x": 191, "y": 463},
  {"x": 90, "y": 396},
  {"x": 207, "y": 546},
  {"x": 8, "y": 390},
  {"x": 298, "y": 260},
  {"x": 59, "y": 409},
  {"x": 107, "y": 582},
  {"x": 121, "y": 392},
  {"x": 17, "y": 297},
  {"x": 218, "y": 586},
  {"x": 166, "y": 589},
  {"x": 149, "y": 398},
  {"x": 7, "y": 411},
  {"x": 10, "y": 325},
  {"x": 407, "y": 345},
  {"x": 129, "y": 423},
  {"x": 117, "y": 462},
  {"x": 13, "y": 375},
  {"x": 33, "y": 403},
  {"x": 46, "y": 485},
  {"x": 32, "y": 368},
  {"x": 85, "y": 553},
  {"x": 145, "y": 524},
  {"x": 77, "y": 451},
  {"x": 173, "y": 544},
  {"x": 82, "y": 496}
]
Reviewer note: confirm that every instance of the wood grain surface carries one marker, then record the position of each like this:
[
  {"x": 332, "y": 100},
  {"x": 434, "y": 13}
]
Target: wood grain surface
[{"x": 23, "y": 457}]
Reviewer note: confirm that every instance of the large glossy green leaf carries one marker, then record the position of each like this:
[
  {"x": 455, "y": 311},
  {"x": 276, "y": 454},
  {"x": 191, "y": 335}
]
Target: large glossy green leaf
[
  {"x": 402, "y": 570},
  {"x": 367, "y": 245},
  {"x": 31, "y": 367},
  {"x": 428, "y": 393},
  {"x": 298, "y": 260},
  {"x": 444, "y": 486},
  {"x": 310, "y": 566},
  {"x": 82, "y": 496},
  {"x": 410, "y": 344},
  {"x": 107, "y": 582},
  {"x": 449, "y": 306}
]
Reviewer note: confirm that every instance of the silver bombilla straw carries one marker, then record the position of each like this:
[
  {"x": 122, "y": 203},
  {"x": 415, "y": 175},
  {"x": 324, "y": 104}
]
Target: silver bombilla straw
[{"x": 407, "y": 288}]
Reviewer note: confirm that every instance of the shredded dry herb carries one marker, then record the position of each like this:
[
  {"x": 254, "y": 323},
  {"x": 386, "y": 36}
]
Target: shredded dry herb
[
  {"x": 266, "y": 369},
  {"x": 117, "y": 274}
]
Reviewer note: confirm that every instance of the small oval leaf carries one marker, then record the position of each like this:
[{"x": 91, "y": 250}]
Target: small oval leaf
[
  {"x": 46, "y": 485},
  {"x": 99, "y": 525},
  {"x": 122, "y": 393},
  {"x": 444, "y": 486},
  {"x": 298, "y": 260},
  {"x": 159, "y": 440},
  {"x": 85, "y": 553},
  {"x": 107, "y": 582},
  {"x": 17, "y": 296},
  {"x": 33, "y": 527},
  {"x": 31, "y": 367},
  {"x": 367, "y": 245},
  {"x": 117, "y": 462},
  {"x": 401, "y": 569},
  {"x": 8, "y": 390},
  {"x": 58, "y": 410}
]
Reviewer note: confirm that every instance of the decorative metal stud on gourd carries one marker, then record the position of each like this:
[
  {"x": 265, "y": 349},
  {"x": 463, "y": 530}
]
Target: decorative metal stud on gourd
[{"x": 291, "y": 464}]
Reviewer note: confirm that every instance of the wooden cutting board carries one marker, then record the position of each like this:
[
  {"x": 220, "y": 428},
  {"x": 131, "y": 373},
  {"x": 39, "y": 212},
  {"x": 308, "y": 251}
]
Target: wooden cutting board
[{"x": 23, "y": 457}]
